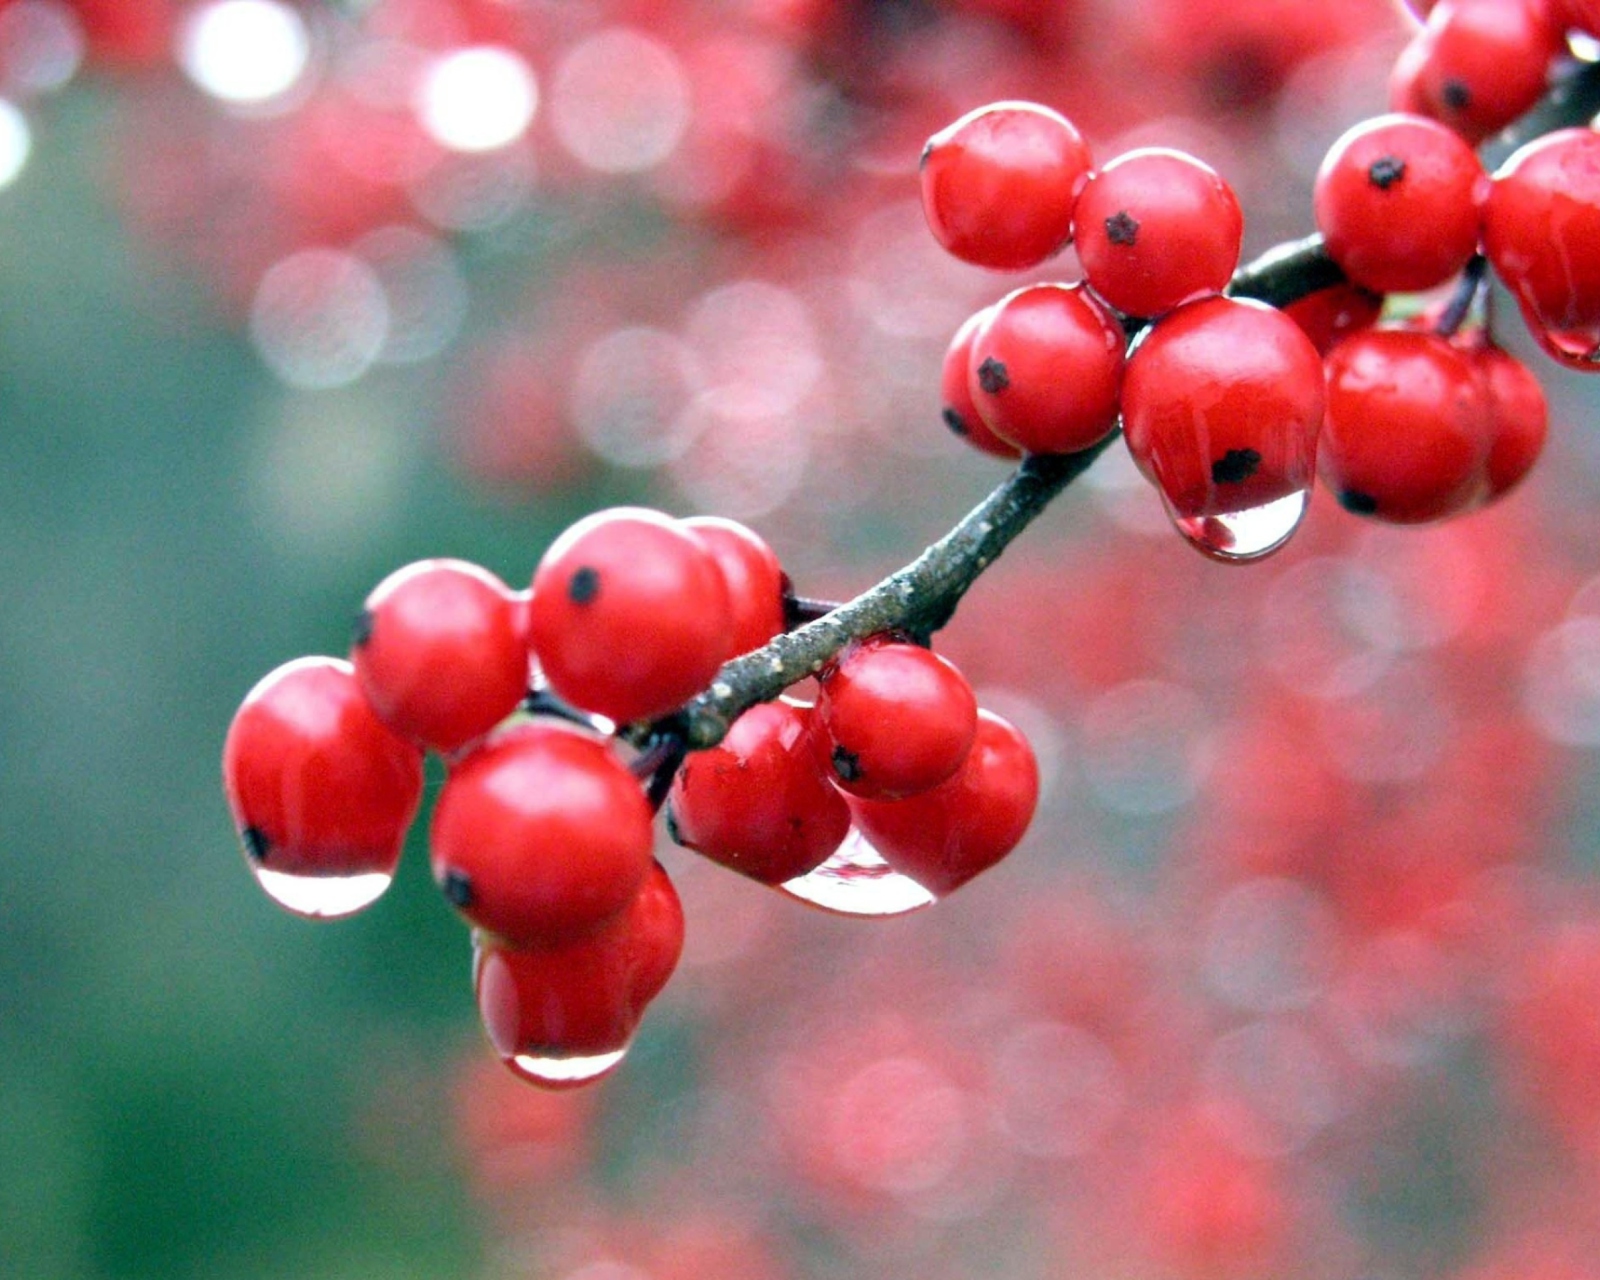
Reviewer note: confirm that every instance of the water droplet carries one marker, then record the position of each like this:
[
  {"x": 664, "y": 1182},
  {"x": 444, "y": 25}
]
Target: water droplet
[
  {"x": 856, "y": 881},
  {"x": 322, "y": 897},
  {"x": 1238, "y": 536},
  {"x": 563, "y": 1071},
  {"x": 1575, "y": 348}
]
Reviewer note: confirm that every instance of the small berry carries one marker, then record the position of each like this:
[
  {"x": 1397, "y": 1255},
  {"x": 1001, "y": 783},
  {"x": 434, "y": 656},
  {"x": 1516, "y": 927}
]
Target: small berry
[
  {"x": 961, "y": 415},
  {"x": 898, "y": 719},
  {"x": 562, "y": 1014},
  {"x": 540, "y": 834},
  {"x": 318, "y": 786},
  {"x": 1329, "y": 314},
  {"x": 1155, "y": 228},
  {"x": 1519, "y": 418},
  {"x": 631, "y": 615},
  {"x": 1397, "y": 200},
  {"x": 943, "y": 837},
  {"x": 754, "y": 577},
  {"x": 998, "y": 184},
  {"x": 440, "y": 654},
  {"x": 757, "y": 801},
  {"x": 1408, "y": 427},
  {"x": 1046, "y": 367}
]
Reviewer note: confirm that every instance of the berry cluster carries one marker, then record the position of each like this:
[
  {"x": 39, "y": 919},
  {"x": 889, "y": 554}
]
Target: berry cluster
[
  {"x": 542, "y": 835},
  {"x": 1228, "y": 406}
]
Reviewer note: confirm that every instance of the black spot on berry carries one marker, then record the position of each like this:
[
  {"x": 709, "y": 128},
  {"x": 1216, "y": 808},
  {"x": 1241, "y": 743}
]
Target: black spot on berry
[
  {"x": 457, "y": 887},
  {"x": 1455, "y": 95},
  {"x": 255, "y": 844},
  {"x": 1235, "y": 466},
  {"x": 992, "y": 376},
  {"x": 361, "y": 629},
  {"x": 1358, "y": 503},
  {"x": 1385, "y": 171},
  {"x": 847, "y": 764},
  {"x": 1122, "y": 228},
  {"x": 584, "y": 585},
  {"x": 956, "y": 423}
]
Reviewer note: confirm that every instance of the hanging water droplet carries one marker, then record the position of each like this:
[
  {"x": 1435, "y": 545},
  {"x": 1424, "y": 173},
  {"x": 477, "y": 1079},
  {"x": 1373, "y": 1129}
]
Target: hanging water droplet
[
  {"x": 558, "y": 1071},
  {"x": 1574, "y": 348},
  {"x": 322, "y": 897},
  {"x": 856, "y": 881},
  {"x": 1238, "y": 536}
]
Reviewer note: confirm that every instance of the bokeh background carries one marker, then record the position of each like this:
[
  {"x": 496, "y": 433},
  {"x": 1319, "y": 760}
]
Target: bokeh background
[{"x": 1298, "y": 971}]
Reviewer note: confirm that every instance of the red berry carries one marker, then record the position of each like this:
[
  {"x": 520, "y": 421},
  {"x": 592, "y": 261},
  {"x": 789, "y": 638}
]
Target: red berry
[
  {"x": 998, "y": 184},
  {"x": 961, "y": 415},
  {"x": 440, "y": 652},
  {"x": 1476, "y": 65},
  {"x": 1329, "y": 314},
  {"x": 1519, "y": 417},
  {"x": 1045, "y": 369},
  {"x": 630, "y": 614},
  {"x": 1397, "y": 201},
  {"x": 1583, "y": 14},
  {"x": 1155, "y": 228},
  {"x": 898, "y": 719},
  {"x": 757, "y": 801},
  {"x": 945, "y": 836},
  {"x": 1541, "y": 230},
  {"x": 563, "y": 1014},
  {"x": 1408, "y": 428},
  {"x": 540, "y": 834},
  {"x": 754, "y": 576},
  {"x": 1221, "y": 406},
  {"x": 320, "y": 789}
]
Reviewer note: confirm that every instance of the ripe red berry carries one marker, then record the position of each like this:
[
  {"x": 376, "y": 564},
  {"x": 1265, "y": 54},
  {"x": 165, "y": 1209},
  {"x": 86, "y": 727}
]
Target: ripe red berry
[
  {"x": 754, "y": 577},
  {"x": 1408, "y": 430},
  {"x": 898, "y": 719},
  {"x": 945, "y": 836},
  {"x": 1582, "y": 14},
  {"x": 320, "y": 789},
  {"x": 630, "y": 614},
  {"x": 1476, "y": 65},
  {"x": 961, "y": 415},
  {"x": 1155, "y": 228},
  {"x": 758, "y": 801},
  {"x": 540, "y": 834},
  {"x": 998, "y": 184},
  {"x": 1519, "y": 417},
  {"x": 1221, "y": 406},
  {"x": 440, "y": 652},
  {"x": 563, "y": 1014},
  {"x": 1541, "y": 231},
  {"x": 1397, "y": 200},
  {"x": 1046, "y": 367},
  {"x": 1328, "y": 314}
]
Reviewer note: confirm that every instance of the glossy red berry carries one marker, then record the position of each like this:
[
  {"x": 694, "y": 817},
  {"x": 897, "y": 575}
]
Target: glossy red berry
[
  {"x": 1582, "y": 14},
  {"x": 998, "y": 184},
  {"x": 758, "y": 801},
  {"x": 1221, "y": 406},
  {"x": 1541, "y": 231},
  {"x": 1156, "y": 228},
  {"x": 563, "y": 1014},
  {"x": 1476, "y": 65},
  {"x": 1329, "y": 314},
  {"x": 1408, "y": 430},
  {"x": 1397, "y": 200},
  {"x": 630, "y": 614},
  {"x": 540, "y": 834},
  {"x": 961, "y": 415},
  {"x": 1045, "y": 369},
  {"x": 1519, "y": 417},
  {"x": 320, "y": 789},
  {"x": 440, "y": 652},
  {"x": 945, "y": 836},
  {"x": 898, "y": 719},
  {"x": 754, "y": 577}
]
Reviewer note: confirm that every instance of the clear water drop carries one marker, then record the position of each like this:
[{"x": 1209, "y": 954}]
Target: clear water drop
[
  {"x": 1240, "y": 536},
  {"x": 322, "y": 897},
  {"x": 856, "y": 881},
  {"x": 560, "y": 1071},
  {"x": 1575, "y": 348}
]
